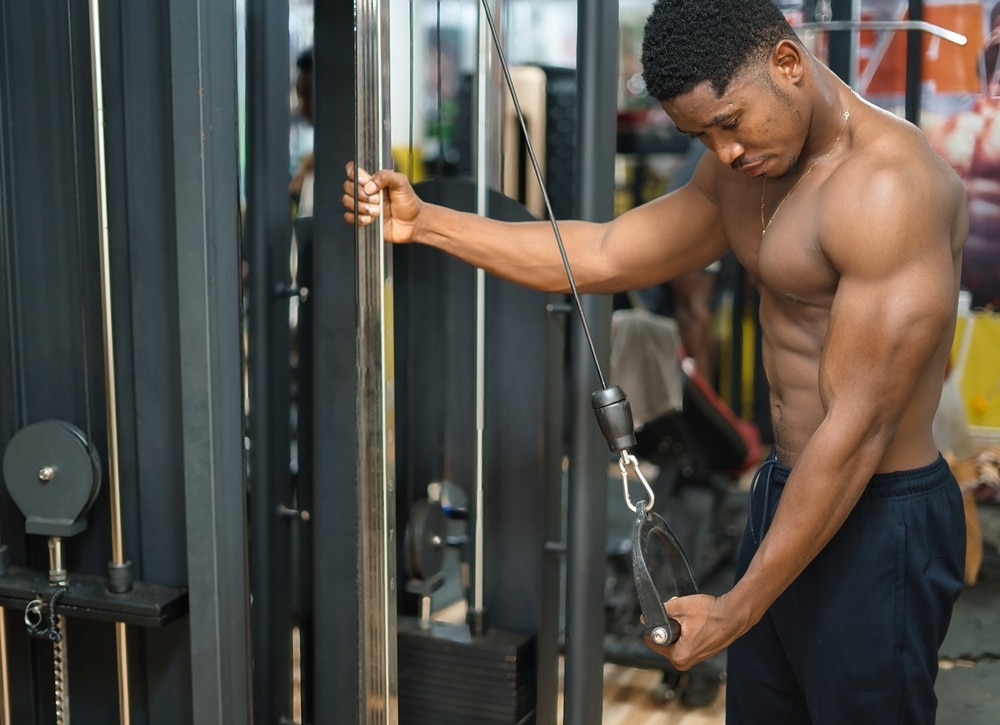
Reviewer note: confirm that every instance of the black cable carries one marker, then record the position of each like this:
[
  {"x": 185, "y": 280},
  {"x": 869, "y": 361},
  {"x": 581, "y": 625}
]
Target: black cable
[
  {"x": 79, "y": 235},
  {"x": 545, "y": 194}
]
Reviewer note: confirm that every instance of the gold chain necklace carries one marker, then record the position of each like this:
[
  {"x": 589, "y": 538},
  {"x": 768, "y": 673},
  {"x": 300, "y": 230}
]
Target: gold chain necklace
[{"x": 764, "y": 224}]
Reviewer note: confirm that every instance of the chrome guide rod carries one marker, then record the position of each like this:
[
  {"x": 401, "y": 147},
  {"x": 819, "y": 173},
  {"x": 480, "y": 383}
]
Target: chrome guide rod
[
  {"x": 486, "y": 115},
  {"x": 111, "y": 403},
  {"x": 376, "y": 395},
  {"x": 4, "y": 662},
  {"x": 4, "y": 670}
]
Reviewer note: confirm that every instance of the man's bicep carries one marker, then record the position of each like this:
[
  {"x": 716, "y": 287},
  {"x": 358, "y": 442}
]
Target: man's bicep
[
  {"x": 880, "y": 339},
  {"x": 893, "y": 307}
]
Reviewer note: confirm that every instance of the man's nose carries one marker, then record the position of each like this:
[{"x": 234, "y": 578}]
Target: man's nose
[{"x": 729, "y": 152}]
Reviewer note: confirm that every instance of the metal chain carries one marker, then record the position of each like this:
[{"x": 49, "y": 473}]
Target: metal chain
[
  {"x": 60, "y": 670},
  {"x": 35, "y": 613}
]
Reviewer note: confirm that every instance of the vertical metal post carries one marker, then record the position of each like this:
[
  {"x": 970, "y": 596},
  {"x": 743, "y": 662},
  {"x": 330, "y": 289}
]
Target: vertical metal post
[
  {"x": 914, "y": 64},
  {"x": 4, "y": 668},
  {"x": 597, "y": 60},
  {"x": 110, "y": 383},
  {"x": 267, "y": 243},
  {"x": 375, "y": 405},
  {"x": 205, "y": 218},
  {"x": 487, "y": 119},
  {"x": 842, "y": 55},
  {"x": 330, "y": 327}
]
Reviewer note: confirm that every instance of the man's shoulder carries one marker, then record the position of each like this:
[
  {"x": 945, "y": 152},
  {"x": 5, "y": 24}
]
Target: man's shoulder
[
  {"x": 892, "y": 156},
  {"x": 892, "y": 193}
]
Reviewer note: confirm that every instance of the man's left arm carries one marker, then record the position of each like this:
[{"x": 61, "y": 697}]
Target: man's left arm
[{"x": 894, "y": 305}]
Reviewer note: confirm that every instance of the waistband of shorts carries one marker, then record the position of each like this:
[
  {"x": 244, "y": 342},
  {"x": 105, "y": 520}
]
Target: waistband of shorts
[{"x": 886, "y": 485}]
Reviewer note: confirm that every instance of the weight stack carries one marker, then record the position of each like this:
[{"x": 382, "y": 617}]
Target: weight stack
[{"x": 448, "y": 677}]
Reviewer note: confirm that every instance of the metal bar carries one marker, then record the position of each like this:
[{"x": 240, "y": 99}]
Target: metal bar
[
  {"x": 114, "y": 490},
  {"x": 4, "y": 668},
  {"x": 546, "y": 708},
  {"x": 205, "y": 218},
  {"x": 597, "y": 54},
  {"x": 487, "y": 167},
  {"x": 268, "y": 237},
  {"x": 842, "y": 56},
  {"x": 330, "y": 327},
  {"x": 107, "y": 325},
  {"x": 376, "y": 407},
  {"x": 922, "y": 25},
  {"x": 915, "y": 62},
  {"x": 60, "y": 671}
]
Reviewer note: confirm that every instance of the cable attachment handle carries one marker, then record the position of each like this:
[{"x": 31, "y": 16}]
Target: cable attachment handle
[
  {"x": 648, "y": 530},
  {"x": 628, "y": 459}
]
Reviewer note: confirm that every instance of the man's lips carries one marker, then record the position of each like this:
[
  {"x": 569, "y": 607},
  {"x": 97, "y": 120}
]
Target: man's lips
[{"x": 750, "y": 169}]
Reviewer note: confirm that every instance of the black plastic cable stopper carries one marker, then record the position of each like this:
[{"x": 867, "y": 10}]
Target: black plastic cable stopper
[{"x": 614, "y": 416}]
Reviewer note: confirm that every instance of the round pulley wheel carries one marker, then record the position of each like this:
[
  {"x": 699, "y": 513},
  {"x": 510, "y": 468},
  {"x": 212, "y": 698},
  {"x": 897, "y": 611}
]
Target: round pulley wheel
[
  {"x": 424, "y": 541},
  {"x": 54, "y": 475}
]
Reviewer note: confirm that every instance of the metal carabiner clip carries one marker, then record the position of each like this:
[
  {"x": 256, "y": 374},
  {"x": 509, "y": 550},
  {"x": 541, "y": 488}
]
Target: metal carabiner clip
[
  {"x": 34, "y": 614},
  {"x": 628, "y": 459},
  {"x": 661, "y": 629}
]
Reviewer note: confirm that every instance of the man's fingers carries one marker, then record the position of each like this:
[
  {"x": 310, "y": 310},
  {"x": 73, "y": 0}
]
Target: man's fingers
[
  {"x": 362, "y": 220},
  {"x": 369, "y": 182},
  {"x": 363, "y": 206},
  {"x": 365, "y": 196}
]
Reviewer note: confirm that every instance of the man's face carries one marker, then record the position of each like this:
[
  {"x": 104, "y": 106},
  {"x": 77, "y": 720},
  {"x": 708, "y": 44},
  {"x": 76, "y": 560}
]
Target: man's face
[{"x": 753, "y": 127}]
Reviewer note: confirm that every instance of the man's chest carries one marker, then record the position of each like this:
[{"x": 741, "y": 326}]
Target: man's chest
[{"x": 786, "y": 260}]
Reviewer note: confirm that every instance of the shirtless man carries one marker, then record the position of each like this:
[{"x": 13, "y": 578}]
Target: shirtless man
[{"x": 852, "y": 227}]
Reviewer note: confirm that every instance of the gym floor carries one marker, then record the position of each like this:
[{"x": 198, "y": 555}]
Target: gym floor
[{"x": 968, "y": 685}]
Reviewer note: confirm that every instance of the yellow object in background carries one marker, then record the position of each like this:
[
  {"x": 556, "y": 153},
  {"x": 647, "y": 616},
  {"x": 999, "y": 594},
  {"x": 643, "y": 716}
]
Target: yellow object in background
[
  {"x": 409, "y": 161},
  {"x": 976, "y": 356}
]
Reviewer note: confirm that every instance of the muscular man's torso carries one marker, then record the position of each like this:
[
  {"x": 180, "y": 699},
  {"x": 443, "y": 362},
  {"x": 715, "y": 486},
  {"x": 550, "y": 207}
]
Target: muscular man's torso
[{"x": 797, "y": 283}]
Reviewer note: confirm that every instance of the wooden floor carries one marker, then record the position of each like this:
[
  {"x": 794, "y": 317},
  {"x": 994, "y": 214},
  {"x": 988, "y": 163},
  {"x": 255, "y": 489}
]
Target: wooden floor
[{"x": 631, "y": 698}]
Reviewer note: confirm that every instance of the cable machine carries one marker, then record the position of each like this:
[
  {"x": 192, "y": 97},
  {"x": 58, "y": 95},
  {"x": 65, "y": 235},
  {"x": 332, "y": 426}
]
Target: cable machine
[
  {"x": 121, "y": 428},
  {"x": 586, "y": 550}
]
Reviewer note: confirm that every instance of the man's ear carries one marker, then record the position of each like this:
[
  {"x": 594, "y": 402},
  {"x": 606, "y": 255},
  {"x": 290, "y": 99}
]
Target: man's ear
[{"x": 788, "y": 61}]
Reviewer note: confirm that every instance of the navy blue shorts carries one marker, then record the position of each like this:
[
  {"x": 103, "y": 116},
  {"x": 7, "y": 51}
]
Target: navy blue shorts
[{"x": 855, "y": 638}]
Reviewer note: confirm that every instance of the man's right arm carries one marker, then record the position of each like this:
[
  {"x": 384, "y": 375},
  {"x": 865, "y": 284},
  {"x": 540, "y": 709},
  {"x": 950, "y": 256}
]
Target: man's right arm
[{"x": 657, "y": 241}]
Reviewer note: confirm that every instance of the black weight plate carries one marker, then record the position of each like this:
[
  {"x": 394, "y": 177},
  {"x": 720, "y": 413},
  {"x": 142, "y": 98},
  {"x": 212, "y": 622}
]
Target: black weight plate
[{"x": 423, "y": 545}]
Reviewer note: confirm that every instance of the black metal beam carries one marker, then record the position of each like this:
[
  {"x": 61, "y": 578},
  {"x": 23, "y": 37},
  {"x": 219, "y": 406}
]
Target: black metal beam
[
  {"x": 333, "y": 418},
  {"x": 268, "y": 247},
  {"x": 171, "y": 130},
  {"x": 841, "y": 58},
  {"x": 206, "y": 213},
  {"x": 597, "y": 59},
  {"x": 914, "y": 64}
]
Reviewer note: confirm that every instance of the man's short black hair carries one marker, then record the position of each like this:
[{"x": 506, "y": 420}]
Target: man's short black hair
[
  {"x": 687, "y": 42},
  {"x": 304, "y": 60}
]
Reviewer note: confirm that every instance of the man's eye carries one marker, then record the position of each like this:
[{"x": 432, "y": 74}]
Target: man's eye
[{"x": 731, "y": 125}]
